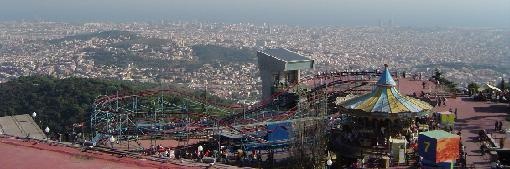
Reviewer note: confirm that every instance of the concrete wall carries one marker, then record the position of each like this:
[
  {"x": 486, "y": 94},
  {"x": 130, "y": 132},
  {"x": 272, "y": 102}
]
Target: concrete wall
[
  {"x": 267, "y": 67},
  {"x": 287, "y": 71}
]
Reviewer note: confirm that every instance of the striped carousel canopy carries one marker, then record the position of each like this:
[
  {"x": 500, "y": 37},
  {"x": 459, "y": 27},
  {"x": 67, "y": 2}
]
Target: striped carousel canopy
[{"x": 385, "y": 98}]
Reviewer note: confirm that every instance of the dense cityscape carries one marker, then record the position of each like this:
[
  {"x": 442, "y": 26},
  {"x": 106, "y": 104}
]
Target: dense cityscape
[
  {"x": 245, "y": 84},
  {"x": 166, "y": 52}
]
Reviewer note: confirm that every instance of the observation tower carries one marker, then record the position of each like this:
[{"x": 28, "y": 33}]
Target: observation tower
[{"x": 280, "y": 67}]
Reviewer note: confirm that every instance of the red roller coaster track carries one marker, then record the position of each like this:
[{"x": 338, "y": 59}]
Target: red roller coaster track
[{"x": 315, "y": 83}]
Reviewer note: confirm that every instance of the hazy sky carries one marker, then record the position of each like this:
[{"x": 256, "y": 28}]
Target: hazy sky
[{"x": 472, "y": 13}]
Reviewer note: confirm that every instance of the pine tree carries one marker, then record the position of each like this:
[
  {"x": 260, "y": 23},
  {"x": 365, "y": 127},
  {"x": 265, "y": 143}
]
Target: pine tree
[{"x": 502, "y": 84}]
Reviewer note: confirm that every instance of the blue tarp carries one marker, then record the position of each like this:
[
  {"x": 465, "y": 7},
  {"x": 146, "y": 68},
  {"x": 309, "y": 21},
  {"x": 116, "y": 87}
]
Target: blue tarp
[{"x": 279, "y": 131}]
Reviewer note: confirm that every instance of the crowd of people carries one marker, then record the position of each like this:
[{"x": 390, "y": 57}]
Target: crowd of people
[
  {"x": 493, "y": 95},
  {"x": 372, "y": 133},
  {"x": 160, "y": 151}
]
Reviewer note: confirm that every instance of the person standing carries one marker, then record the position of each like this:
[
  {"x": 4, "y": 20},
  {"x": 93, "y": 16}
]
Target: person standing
[
  {"x": 463, "y": 160},
  {"x": 483, "y": 147}
]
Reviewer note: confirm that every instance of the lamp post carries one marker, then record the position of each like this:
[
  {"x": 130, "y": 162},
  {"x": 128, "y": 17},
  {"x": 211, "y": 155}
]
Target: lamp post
[
  {"x": 47, "y": 131},
  {"x": 200, "y": 149},
  {"x": 329, "y": 163},
  {"x": 500, "y": 80},
  {"x": 244, "y": 110},
  {"x": 33, "y": 117},
  {"x": 112, "y": 140}
]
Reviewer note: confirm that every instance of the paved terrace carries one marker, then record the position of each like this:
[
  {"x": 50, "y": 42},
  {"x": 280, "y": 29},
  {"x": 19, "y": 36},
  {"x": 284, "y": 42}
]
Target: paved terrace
[
  {"x": 29, "y": 154},
  {"x": 472, "y": 117}
]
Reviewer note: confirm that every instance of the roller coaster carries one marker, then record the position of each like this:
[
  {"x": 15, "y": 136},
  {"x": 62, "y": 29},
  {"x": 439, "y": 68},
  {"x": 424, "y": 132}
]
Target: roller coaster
[{"x": 173, "y": 113}]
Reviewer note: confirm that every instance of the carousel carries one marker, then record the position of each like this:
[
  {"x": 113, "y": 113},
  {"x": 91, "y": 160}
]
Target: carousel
[{"x": 380, "y": 127}]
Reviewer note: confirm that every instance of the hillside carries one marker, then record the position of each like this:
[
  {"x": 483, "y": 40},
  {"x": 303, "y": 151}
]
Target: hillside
[
  {"x": 102, "y": 56},
  {"x": 213, "y": 53},
  {"x": 113, "y": 34},
  {"x": 59, "y": 103}
]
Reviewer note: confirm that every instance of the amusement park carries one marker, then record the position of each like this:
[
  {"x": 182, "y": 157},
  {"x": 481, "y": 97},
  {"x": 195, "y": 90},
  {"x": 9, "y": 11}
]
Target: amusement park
[{"x": 346, "y": 119}]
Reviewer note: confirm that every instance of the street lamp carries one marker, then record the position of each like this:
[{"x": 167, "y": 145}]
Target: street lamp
[
  {"x": 200, "y": 149},
  {"x": 33, "y": 116},
  {"x": 112, "y": 140},
  {"x": 59, "y": 137},
  {"x": 47, "y": 131},
  {"x": 329, "y": 163}
]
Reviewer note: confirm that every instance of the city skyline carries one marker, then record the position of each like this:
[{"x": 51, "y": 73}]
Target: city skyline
[
  {"x": 456, "y": 13},
  {"x": 254, "y": 84}
]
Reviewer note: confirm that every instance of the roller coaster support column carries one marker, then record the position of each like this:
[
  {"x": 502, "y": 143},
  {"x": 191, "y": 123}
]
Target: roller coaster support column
[
  {"x": 119, "y": 122},
  {"x": 205, "y": 97}
]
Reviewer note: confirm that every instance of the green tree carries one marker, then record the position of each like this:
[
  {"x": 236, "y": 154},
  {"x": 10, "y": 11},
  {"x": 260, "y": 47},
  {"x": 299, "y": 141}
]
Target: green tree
[
  {"x": 443, "y": 81},
  {"x": 502, "y": 85},
  {"x": 59, "y": 103},
  {"x": 473, "y": 88},
  {"x": 437, "y": 74}
]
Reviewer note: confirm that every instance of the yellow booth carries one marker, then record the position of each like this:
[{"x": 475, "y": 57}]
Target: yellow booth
[{"x": 447, "y": 119}]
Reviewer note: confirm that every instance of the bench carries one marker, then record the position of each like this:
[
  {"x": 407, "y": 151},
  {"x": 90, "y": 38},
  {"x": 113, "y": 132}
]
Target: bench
[
  {"x": 209, "y": 160},
  {"x": 493, "y": 145}
]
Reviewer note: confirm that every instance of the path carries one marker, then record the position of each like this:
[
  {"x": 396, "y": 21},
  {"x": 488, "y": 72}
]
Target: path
[
  {"x": 15, "y": 153},
  {"x": 472, "y": 117}
]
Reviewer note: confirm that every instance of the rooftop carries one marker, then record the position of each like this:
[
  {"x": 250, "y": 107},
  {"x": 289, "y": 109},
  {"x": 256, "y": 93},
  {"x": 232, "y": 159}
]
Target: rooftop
[
  {"x": 386, "y": 79},
  {"x": 21, "y": 126},
  {"x": 285, "y": 55},
  {"x": 439, "y": 134}
]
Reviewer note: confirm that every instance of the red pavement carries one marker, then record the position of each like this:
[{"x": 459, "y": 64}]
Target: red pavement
[
  {"x": 472, "y": 117},
  {"x": 28, "y": 155}
]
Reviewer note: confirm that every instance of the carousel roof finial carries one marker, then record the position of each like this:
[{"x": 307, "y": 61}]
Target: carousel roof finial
[{"x": 386, "y": 79}]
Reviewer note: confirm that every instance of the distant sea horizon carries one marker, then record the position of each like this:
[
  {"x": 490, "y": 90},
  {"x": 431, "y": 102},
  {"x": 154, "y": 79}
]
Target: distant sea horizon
[
  {"x": 430, "y": 13},
  {"x": 128, "y": 21}
]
